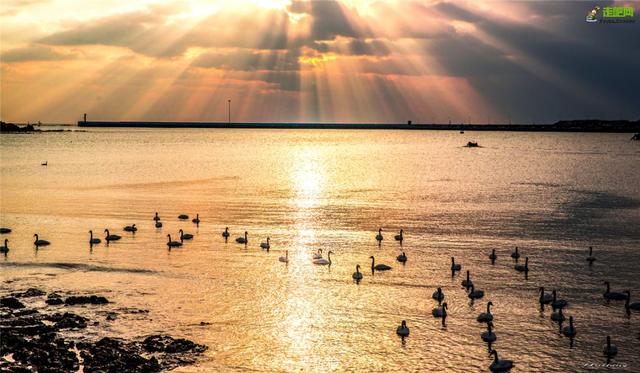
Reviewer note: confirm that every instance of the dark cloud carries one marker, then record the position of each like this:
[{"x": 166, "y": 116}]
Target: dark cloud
[
  {"x": 35, "y": 53},
  {"x": 249, "y": 60},
  {"x": 330, "y": 19}
]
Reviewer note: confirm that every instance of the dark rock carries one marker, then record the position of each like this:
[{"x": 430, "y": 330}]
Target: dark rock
[
  {"x": 157, "y": 343},
  {"x": 184, "y": 345},
  {"x": 112, "y": 316},
  {"x": 11, "y": 302},
  {"x": 68, "y": 320},
  {"x": 114, "y": 355},
  {"x": 54, "y": 301},
  {"x": 85, "y": 299},
  {"x": 31, "y": 292}
]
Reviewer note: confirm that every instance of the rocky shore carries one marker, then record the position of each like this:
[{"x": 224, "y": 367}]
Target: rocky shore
[{"x": 34, "y": 339}]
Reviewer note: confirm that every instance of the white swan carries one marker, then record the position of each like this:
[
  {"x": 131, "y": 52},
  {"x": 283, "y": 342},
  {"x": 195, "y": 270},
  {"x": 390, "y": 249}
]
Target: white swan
[
  {"x": 557, "y": 316},
  {"x": 402, "y": 258},
  {"x": 489, "y": 336},
  {"x": 486, "y": 316},
  {"x": 515, "y": 254},
  {"x": 454, "y": 266},
  {"x": 591, "y": 258},
  {"x": 399, "y": 237},
  {"x": 613, "y": 295},
  {"x": 244, "y": 239},
  {"x": 438, "y": 295},
  {"x": 226, "y": 234},
  {"x": 265, "y": 244},
  {"x": 475, "y": 294},
  {"x": 499, "y": 365},
  {"x": 39, "y": 242},
  {"x": 544, "y": 298},
  {"x": 493, "y": 255},
  {"x": 379, "y": 235},
  {"x": 467, "y": 282},
  {"x": 609, "y": 349},
  {"x": 403, "y": 329},
  {"x": 631, "y": 306},
  {"x": 156, "y": 218},
  {"x": 5, "y": 249},
  {"x": 196, "y": 221},
  {"x": 285, "y": 258},
  {"x": 173, "y": 243},
  {"x": 523, "y": 268},
  {"x": 357, "y": 275},
  {"x": 558, "y": 303},
  {"x": 110, "y": 237},
  {"x": 323, "y": 261},
  {"x": 93, "y": 241},
  {"x": 185, "y": 236},
  {"x": 569, "y": 331},
  {"x": 318, "y": 255},
  {"x": 378, "y": 267},
  {"x": 130, "y": 228}
]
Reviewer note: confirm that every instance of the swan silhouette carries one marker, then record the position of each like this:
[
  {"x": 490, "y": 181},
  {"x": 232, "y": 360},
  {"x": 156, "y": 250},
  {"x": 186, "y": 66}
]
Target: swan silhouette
[
  {"x": 523, "y": 268},
  {"x": 39, "y": 242},
  {"x": 226, "y": 234},
  {"x": 467, "y": 282},
  {"x": 265, "y": 244},
  {"x": 489, "y": 336},
  {"x": 156, "y": 218},
  {"x": 569, "y": 331},
  {"x": 285, "y": 258},
  {"x": 454, "y": 266},
  {"x": 493, "y": 255},
  {"x": 612, "y": 295},
  {"x": 486, "y": 316},
  {"x": 158, "y": 224},
  {"x": 318, "y": 255},
  {"x": 558, "y": 303},
  {"x": 379, "y": 235},
  {"x": 93, "y": 241},
  {"x": 173, "y": 243},
  {"x": 557, "y": 316},
  {"x": 631, "y": 306},
  {"x": 438, "y": 295},
  {"x": 544, "y": 298},
  {"x": 110, "y": 237},
  {"x": 515, "y": 254},
  {"x": 323, "y": 261},
  {"x": 183, "y": 217},
  {"x": 440, "y": 312},
  {"x": 609, "y": 350},
  {"x": 591, "y": 258},
  {"x": 399, "y": 237},
  {"x": 5, "y": 249},
  {"x": 402, "y": 258},
  {"x": 185, "y": 236},
  {"x": 357, "y": 275},
  {"x": 196, "y": 221},
  {"x": 130, "y": 228},
  {"x": 403, "y": 329},
  {"x": 378, "y": 267},
  {"x": 499, "y": 365},
  {"x": 475, "y": 294},
  {"x": 244, "y": 239},
  {"x": 4, "y": 230}
]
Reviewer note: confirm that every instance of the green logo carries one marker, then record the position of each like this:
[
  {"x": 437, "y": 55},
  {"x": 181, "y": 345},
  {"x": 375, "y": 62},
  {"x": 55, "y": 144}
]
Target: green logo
[
  {"x": 611, "y": 14},
  {"x": 617, "y": 12}
]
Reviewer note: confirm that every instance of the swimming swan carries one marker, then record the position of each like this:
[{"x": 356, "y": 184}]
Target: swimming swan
[
  {"x": 156, "y": 218},
  {"x": 612, "y": 295},
  {"x": 357, "y": 275},
  {"x": 523, "y": 268},
  {"x": 399, "y": 237},
  {"x": 265, "y": 244},
  {"x": 557, "y": 316},
  {"x": 467, "y": 283},
  {"x": 499, "y": 365},
  {"x": 93, "y": 241},
  {"x": 609, "y": 349},
  {"x": 486, "y": 316},
  {"x": 515, "y": 254},
  {"x": 475, "y": 294},
  {"x": 318, "y": 255},
  {"x": 569, "y": 331},
  {"x": 173, "y": 243},
  {"x": 183, "y": 217},
  {"x": 591, "y": 258},
  {"x": 544, "y": 298},
  {"x": 379, "y": 235},
  {"x": 39, "y": 242},
  {"x": 130, "y": 228},
  {"x": 196, "y": 221},
  {"x": 244, "y": 239},
  {"x": 631, "y": 306},
  {"x": 403, "y": 330},
  {"x": 185, "y": 236},
  {"x": 438, "y": 295},
  {"x": 493, "y": 255},
  {"x": 5, "y": 249},
  {"x": 323, "y": 261},
  {"x": 285, "y": 258},
  {"x": 226, "y": 234},
  {"x": 454, "y": 266},
  {"x": 158, "y": 224},
  {"x": 402, "y": 258},
  {"x": 111, "y": 237},
  {"x": 5, "y": 230},
  {"x": 558, "y": 303},
  {"x": 378, "y": 267},
  {"x": 489, "y": 336}
]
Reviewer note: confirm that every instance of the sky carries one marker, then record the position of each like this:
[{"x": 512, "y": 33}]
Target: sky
[{"x": 318, "y": 61}]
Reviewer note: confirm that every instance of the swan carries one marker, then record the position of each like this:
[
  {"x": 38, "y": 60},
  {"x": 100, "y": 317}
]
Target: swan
[
  {"x": 629, "y": 306},
  {"x": 378, "y": 267},
  {"x": 454, "y": 266},
  {"x": 569, "y": 331},
  {"x": 196, "y": 220},
  {"x": 591, "y": 258},
  {"x": 608, "y": 349},
  {"x": 130, "y": 228},
  {"x": 5, "y": 230},
  {"x": 489, "y": 336},
  {"x": 39, "y": 242},
  {"x": 158, "y": 224},
  {"x": 402, "y": 258},
  {"x": 486, "y": 316},
  {"x": 523, "y": 268},
  {"x": 467, "y": 283},
  {"x": 493, "y": 255},
  {"x": 111, "y": 237},
  {"x": 173, "y": 243},
  {"x": 557, "y": 316},
  {"x": 156, "y": 218},
  {"x": 558, "y": 303},
  {"x": 318, "y": 255},
  {"x": 515, "y": 254},
  {"x": 612, "y": 295},
  {"x": 403, "y": 330},
  {"x": 357, "y": 275},
  {"x": 285, "y": 258},
  {"x": 379, "y": 235},
  {"x": 440, "y": 311},
  {"x": 92, "y": 240},
  {"x": 226, "y": 234},
  {"x": 183, "y": 217},
  {"x": 185, "y": 236},
  {"x": 475, "y": 294},
  {"x": 265, "y": 245},
  {"x": 545, "y": 298},
  {"x": 438, "y": 295},
  {"x": 499, "y": 365},
  {"x": 323, "y": 261},
  {"x": 5, "y": 249},
  {"x": 399, "y": 237},
  {"x": 244, "y": 239}
]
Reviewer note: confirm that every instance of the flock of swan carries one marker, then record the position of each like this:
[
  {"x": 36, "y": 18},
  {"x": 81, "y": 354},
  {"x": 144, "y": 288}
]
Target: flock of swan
[{"x": 489, "y": 336}]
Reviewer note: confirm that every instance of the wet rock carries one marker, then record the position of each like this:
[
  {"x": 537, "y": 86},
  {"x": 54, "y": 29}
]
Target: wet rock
[
  {"x": 68, "y": 320},
  {"x": 156, "y": 343},
  {"x": 11, "y": 302},
  {"x": 85, "y": 299},
  {"x": 54, "y": 299},
  {"x": 165, "y": 343},
  {"x": 31, "y": 292},
  {"x": 112, "y": 316},
  {"x": 25, "y": 312},
  {"x": 115, "y": 355}
]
